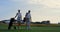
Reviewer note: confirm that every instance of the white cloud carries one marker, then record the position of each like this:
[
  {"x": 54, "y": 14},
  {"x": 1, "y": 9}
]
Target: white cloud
[
  {"x": 49, "y": 3},
  {"x": 46, "y": 3}
]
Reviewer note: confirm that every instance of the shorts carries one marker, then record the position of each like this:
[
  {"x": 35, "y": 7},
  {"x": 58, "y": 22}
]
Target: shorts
[
  {"x": 28, "y": 22},
  {"x": 19, "y": 21}
]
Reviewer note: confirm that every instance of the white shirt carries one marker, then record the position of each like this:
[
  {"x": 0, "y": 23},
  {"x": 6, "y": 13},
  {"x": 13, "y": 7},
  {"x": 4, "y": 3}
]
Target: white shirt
[
  {"x": 19, "y": 16},
  {"x": 28, "y": 15}
]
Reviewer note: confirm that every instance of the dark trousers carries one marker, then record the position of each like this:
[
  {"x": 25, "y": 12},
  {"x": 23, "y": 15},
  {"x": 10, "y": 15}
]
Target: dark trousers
[{"x": 10, "y": 25}]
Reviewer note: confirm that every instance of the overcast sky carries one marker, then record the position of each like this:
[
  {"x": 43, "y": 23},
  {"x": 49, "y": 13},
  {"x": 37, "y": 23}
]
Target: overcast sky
[{"x": 40, "y": 9}]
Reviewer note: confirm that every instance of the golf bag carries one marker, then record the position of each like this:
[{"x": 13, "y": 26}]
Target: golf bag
[{"x": 24, "y": 20}]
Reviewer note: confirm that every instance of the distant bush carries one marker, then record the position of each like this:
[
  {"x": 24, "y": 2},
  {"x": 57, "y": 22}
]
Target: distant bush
[
  {"x": 43, "y": 25},
  {"x": 46, "y": 25}
]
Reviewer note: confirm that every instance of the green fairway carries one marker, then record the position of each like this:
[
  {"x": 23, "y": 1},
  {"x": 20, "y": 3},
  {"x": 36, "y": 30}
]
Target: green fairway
[{"x": 3, "y": 28}]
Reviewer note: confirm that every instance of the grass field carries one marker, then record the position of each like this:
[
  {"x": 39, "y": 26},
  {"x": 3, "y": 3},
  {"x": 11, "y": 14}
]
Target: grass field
[{"x": 3, "y": 28}]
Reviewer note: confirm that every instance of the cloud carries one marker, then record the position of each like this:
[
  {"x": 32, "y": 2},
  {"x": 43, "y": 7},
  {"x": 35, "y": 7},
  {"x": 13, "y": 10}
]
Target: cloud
[
  {"x": 48, "y": 3},
  {"x": 38, "y": 8}
]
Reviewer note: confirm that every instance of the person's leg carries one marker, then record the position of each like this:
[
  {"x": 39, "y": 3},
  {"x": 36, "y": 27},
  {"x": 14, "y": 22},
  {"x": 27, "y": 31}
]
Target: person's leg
[
  {"x": 28, "y": 24},
  {"x": 9, "y": 27},
  {"x": 14, "y": 27},
  {"x": 19, "y": 24},
  {"x": 18, "y": 21}
]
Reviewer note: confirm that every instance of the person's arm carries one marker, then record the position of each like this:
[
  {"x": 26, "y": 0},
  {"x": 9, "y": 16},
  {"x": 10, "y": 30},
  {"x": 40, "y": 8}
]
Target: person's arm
[
  {"x": 30, "y": 18},
  {"x": 21, "y": 17},
  {"x": 16, "y": 15},
  {"x": 26, "y": 15}
]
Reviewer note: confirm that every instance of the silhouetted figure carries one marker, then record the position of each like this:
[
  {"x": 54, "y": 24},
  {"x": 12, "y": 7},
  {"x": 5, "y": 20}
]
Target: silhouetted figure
[
  {"x": 19, "y": 18},
  {"x": 28, "y": 19},
  {"x": 11, "y": 23}
]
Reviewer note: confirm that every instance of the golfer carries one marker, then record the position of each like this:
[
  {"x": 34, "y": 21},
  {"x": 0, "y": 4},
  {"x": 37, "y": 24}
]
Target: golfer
[
  {"x": 11, "y": 23},
  {"x": 28, "y": 19},
  {"x": 19, "y": 18}
]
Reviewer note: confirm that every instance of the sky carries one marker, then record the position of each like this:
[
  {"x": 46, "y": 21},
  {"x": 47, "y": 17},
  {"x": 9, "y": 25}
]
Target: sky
[{"x": 40, "y": 9}]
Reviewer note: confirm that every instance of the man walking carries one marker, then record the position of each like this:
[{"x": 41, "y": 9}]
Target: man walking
[
  {"x": 19, "y": 18},
  {"x": 28, "y": 19},
  {"x": 11, "y": 23}
]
